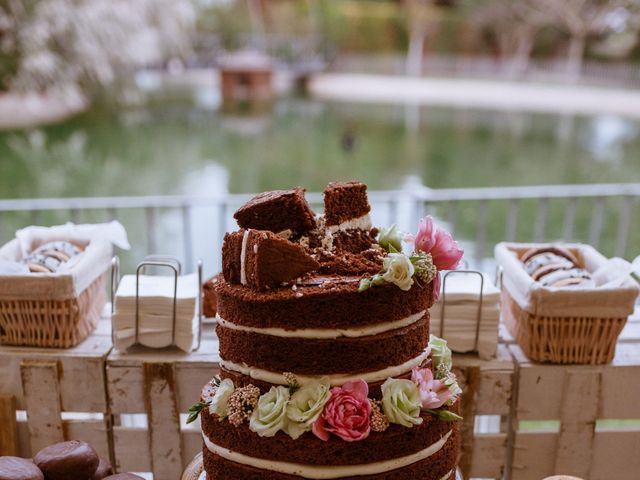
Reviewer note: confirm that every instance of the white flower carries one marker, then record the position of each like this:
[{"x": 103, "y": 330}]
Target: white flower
[
  {"x": 270, "y": 415},
  {"x": 389, "y": 238},
  {"x": 440, "y": 352},
  {"x": 399, "y": 270},
  {"x": 305, "y": 407},
  {"x": 401, "y": 402},
  {"x": 220, "y": 400}
]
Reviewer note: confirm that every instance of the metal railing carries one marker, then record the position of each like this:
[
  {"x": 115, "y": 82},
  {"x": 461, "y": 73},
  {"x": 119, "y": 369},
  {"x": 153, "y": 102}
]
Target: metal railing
[{"x": 193, "y": 227}]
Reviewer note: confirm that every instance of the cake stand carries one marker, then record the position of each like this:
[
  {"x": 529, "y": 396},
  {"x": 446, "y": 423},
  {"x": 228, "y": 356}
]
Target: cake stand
[{"x": 195, "y": 470}]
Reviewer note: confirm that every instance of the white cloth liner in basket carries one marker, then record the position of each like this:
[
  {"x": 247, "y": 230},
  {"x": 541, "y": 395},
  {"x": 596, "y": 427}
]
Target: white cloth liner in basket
[
  {"x": 74, "y": 276},
  {"x": 613, "y": 296}
]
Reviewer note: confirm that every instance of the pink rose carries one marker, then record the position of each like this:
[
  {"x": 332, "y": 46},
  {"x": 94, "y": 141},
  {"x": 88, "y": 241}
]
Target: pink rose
[
  {"x": 444, "y": 250},
  {"x": 425, "y": 238},
  {"x": 436, "y": 286},
  {"x": 433, "y": 393},
  {"x": 446, "y": 253},
  {"x": 346, "y": 413}
]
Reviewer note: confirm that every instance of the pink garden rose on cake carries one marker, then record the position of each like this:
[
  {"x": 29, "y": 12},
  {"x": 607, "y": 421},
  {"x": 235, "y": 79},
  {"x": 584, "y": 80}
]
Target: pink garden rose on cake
[{"x": 346, "y": 414}]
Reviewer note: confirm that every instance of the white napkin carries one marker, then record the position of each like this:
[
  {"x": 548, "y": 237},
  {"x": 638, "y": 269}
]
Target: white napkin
[
  {"x": 461, "y": 313},
  {"x": 155, "y": 315}
]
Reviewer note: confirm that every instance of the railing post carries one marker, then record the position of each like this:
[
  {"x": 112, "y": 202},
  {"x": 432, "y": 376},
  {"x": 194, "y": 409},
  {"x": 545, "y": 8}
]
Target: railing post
[
  {"x": 512, "y": 221},
  {"x": 596, "y": 222},
  {"x": 541, "y": 221},
  {"x": 624, "y": 225},
  {"x": 186, "y": 236},
  {"x": 569, "y": 220},
  {"x": 150, "y": 216}
]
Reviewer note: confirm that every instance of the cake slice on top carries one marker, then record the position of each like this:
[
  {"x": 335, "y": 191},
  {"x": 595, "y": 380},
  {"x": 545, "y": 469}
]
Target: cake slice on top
[
  {"x": 344, "y": 201},
  {"x": 261, "y": 259},
  {"x": 277, "y": 211}
]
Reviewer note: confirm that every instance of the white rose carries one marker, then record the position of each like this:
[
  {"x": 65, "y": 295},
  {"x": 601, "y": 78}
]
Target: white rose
[
  {"x": 398, "y": 270},
  {"x": 401, "y": 402},
  {"x": 220, "y": 400},
  {"x": 270, "y": 415},
  {"x": 305, "y": 407}
]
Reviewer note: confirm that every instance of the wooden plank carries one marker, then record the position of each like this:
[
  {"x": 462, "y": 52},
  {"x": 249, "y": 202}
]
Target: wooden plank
[
  {"x": 494, "y": 392},
  {"x": 125, "y": 377},
  {"x": 164, "y": 420},
  {"x": 469, "y": 379},
  {"x": 9, "y": 430},
  {"x": 533, "y": 456},
  {"x": 80, "y": 365},
  {"x": 133, "y": 453},
  {"x": 540, "y": 389},
  {"x": 190, "y": 378},
  {"x": 579, "y": 409},
  {"x": 24, "y": 444},
  {"x": 191, "y": 444},
  {"x": 616, "y": 454},
  {"x": 41, "y": 386},
  {"x": 491, "y": 450},
  {"x": 94, "y": 432},
  {"x": 616, "y": 379},
  {"x": 131, "y": 449}
]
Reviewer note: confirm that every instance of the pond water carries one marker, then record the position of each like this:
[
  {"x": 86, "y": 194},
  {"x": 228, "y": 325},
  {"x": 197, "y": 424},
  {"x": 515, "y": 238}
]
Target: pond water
[
  {"x": 178, "y": 147},
  {"x": 173, "y": 146}
]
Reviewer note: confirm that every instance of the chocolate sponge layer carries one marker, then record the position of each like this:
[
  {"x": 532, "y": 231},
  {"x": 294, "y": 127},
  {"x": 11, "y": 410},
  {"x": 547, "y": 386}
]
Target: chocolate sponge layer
[
  {"x": 324, "y": 356},
  {"x": 397, "y": 441},
  {"x": 320, "y": 302},
  {"x": 432, "y": 468}
]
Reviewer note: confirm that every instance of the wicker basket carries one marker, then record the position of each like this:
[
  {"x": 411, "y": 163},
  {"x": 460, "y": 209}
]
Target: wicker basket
[
  {"x": 53, "y": 310},
  {"x": 548, "y": 328},
  {"x": 52, "y": 323},
  {"x": 562, "y": 339}
]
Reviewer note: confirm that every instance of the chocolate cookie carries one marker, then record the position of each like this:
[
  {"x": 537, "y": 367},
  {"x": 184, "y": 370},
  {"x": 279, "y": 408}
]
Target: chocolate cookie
[
  {"x": 104, "y": 469},
  {"x": 16, "y": 468},
  {"x": 73, "y": 460},
  {"x": 124, "y": 476},
  {"x": 561, "y": 251}
]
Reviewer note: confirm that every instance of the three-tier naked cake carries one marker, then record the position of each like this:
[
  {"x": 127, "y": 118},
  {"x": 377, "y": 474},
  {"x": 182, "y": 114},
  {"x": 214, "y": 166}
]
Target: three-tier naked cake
[{"x": 327, "y": 367}]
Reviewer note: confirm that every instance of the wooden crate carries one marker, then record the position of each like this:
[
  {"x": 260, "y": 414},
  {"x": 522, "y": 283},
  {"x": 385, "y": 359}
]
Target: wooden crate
[
  {"x": 486, "y": 402},
  {"x": 582, "y": 407},
  {"x": 148, "y": 390},
  {"x": 57, "y": 394}
]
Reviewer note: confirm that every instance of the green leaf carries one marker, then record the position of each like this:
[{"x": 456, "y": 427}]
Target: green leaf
[
  {"x": 445, "y": 415},
  {"x": 365, "y": 283},
  {"x": 195, "y": 409}
]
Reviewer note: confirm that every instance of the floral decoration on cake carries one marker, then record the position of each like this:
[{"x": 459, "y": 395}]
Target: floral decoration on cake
[
  {"x": 434, "y": 249},
  {"x": 344, "y": 411}
]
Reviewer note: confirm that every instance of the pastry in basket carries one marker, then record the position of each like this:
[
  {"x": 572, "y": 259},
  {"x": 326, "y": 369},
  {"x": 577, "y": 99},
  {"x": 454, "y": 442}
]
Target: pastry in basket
[
  {"x": 559, "y": 251},
  {"x": 49, "y": 257},
  {"x": 567, "y": 278},
  {"x": 546, "y": 262}
]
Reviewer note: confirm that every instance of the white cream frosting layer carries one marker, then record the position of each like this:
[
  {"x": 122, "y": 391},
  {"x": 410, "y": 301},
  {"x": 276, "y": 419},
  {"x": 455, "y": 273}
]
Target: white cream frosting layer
[
  {"x": 243, "y": 258},
  {"x": 361, "y": 223},
  {"x": 334, "y": 380},
  {"x": 327, "y": 471},
  {"x": 326, "y": 333}
]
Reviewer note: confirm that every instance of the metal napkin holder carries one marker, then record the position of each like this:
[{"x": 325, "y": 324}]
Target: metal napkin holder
[
  {"x": 480, "y": 301},
  {"x": 160, "y": 261}
]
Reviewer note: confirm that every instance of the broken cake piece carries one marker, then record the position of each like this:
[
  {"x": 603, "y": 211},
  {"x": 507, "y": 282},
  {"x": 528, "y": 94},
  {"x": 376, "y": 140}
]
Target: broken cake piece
[
  {"x": 277, "y": 211},
  {"x": 261, "y": 259},
  {"x": 344, "y": 201}
]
